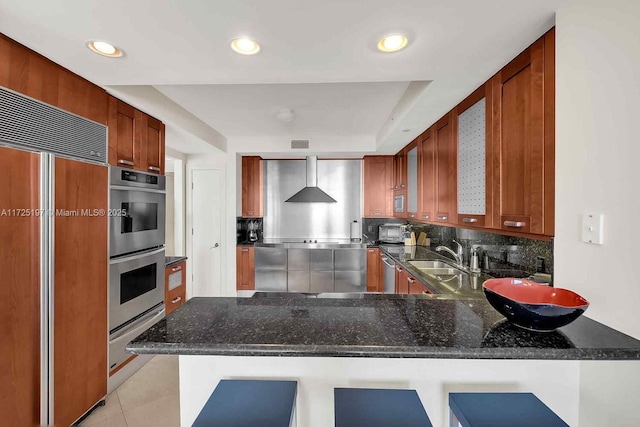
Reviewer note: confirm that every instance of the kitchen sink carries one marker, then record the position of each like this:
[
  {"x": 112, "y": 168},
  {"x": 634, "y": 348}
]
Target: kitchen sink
[{"x": 422, "y": 265}]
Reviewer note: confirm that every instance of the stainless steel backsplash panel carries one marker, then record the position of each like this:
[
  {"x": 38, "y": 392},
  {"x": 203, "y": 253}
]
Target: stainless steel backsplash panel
[{"x": 341, "y": 179}]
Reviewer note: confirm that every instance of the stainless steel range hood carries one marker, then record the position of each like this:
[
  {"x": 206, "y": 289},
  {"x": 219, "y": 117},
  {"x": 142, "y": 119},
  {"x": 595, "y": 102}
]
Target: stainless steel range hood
[{"x": 311, "y": 193}]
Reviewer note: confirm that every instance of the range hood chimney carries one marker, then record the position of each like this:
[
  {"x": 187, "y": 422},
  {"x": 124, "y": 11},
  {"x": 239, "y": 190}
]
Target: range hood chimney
[{"x": 311, "y": 193}]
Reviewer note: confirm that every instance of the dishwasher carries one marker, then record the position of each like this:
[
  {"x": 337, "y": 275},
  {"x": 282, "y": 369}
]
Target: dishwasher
[{"x": 389, "y": 276}]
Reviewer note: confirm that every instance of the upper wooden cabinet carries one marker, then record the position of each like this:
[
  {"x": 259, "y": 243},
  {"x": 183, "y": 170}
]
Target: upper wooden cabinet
[
  {"x": 474, "y": 158},
  {"x": 523, "y": 136},
  {"x": 400, "y": 170},
  {"x": 427, "y": 175},
  {"x": 136, "y": 140},
  {"x": 445, "y": 160},
  {"x": 252, "y": 191},
  {"x": 378, "y": 179},
  {"x": 153, "y": 149},
  {"x": 412, "y": 180},
  {"x": 245, "y": 268},
  {"x": 31, "y": 74}
]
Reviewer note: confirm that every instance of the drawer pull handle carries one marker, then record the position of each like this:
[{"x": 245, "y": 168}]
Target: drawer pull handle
[
  {"x": 426, "y": 216},
  {"x": 469, "y": 220},
  {"x": 125, "y": 162},
  {"x": 177, "y": 300},
  {"x": 250, "y": 213},
  {"x": 398, "y": 269},
  {"x": 403, "y": 186},
  {"x": 154, "y": 169},
  {"x": 410, "y": 280},
  {"x": 516, "y": 224},
  {"x": 412, "y": 216},
  {"x": 442, "y": 218},
  {"x": 245, "y": 250},
  {"x": 177, "y": 268}
]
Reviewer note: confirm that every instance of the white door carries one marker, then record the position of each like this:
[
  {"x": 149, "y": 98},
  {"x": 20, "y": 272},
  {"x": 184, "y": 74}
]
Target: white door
[{"x": 207, "y": 203}]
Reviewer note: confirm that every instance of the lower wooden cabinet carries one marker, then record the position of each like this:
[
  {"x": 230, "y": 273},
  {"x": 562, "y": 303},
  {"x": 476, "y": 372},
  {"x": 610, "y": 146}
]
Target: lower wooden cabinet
[
  {"x": 175, "y": 287},
  {"x": 373, "y": 270},
  {"x": 245, "y": 268}
]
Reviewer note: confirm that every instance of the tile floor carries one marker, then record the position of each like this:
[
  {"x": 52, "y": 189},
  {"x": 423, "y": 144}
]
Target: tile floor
[{"x": 149, "y": 398}]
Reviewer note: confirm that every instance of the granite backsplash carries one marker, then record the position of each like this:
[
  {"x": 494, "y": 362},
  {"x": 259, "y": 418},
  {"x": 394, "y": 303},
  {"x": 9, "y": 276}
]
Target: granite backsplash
[{"x": 504, "y": 253}]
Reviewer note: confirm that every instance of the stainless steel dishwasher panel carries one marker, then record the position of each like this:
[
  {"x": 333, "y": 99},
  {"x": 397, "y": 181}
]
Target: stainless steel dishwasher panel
[
  {"x": 298, "y": 260},
  {"x": 321, "y": 260},
  {"x": 321, "y": 281},
  {"x": 350, "y": 281},
  {"x": 298, "y": 281},
  {"x": 271, "y": 269},
  {"x": 270, "y": 258},
  {"x": 350, "y": 259},
  {"x": 271, "y": 280},
  {"x": 389, "y": 276}
]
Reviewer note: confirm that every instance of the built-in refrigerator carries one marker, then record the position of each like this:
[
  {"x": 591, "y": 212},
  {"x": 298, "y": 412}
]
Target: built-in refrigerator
[{"x": 53, "y": 259}]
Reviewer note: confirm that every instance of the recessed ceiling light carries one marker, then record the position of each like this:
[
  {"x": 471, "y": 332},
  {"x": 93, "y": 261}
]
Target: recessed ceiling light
[
  {"x": 245, "y": 46},
  {"x": 104, "y": 49},
  {"x": 392, "y": 43}
]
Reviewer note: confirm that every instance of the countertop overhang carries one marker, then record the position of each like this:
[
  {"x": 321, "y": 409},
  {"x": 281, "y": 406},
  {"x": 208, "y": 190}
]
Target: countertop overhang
[{"x": 371, "y": 325}]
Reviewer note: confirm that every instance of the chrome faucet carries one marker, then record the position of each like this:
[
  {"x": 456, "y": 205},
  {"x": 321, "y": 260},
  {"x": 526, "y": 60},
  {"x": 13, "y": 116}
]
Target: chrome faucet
[{"x": 459, "y": 255}]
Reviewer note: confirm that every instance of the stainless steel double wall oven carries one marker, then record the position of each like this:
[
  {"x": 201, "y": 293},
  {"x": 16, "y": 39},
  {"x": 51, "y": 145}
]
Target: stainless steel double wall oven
[{"x": 137, "y": 257}]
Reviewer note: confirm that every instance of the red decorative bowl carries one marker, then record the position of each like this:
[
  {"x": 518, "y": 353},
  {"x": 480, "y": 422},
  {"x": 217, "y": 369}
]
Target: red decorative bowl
[{"x": 534, "y": 306}]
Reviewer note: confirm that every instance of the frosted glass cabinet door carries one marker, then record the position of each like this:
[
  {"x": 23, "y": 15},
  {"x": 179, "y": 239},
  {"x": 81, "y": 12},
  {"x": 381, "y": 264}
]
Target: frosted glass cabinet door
[{"x": 472, "y": 164}]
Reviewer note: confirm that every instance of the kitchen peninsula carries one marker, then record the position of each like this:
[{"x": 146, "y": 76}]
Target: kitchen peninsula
[{"x": 369, "y": 340}]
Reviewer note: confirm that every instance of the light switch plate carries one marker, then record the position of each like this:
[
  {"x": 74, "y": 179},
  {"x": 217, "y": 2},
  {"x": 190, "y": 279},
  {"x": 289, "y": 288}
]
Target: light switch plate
[{"x": 592, "y": 228}]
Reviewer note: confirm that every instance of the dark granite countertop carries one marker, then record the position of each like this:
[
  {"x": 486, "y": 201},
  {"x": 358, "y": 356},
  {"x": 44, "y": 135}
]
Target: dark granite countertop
[
  {"x": 370, "y": 325},
  {"x": 170, "y": 260}
]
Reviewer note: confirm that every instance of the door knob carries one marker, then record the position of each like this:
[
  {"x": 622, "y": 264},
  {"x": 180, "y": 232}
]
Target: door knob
[{"x": 214, "y": 246}]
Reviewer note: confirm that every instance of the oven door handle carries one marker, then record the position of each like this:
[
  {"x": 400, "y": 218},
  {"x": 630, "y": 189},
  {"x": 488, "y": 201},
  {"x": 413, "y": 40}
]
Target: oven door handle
[
  {"x": 136, "y": 328},
  {"x": 127, "y": 258},
  {"x": 146, "y": 190}
]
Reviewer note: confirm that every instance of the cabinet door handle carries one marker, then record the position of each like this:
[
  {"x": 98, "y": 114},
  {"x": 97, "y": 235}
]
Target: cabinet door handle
[
  {"x": 403, "y": 186},
  {"x": 469, "y": 220},
  {"x": 177, "y": 268},
  {"x": 250, "y": 213},
  {"x": 125, "y": 162},
  {"x": 412, "y": 216},
  {"x": 410, "y": 280},
  {"x": 377, "y": 213},
  {"x": 177, "y": 300},
  {"x": 398, "y": 269},
  {"x": 154, "y": 169},
  {"x": 442, "y": 218},
  {"x": 245, "y": 250},
  {"x": 516, "y": 224},
  {"x": 426, "y": 216},
  {"x": 371, "y": 251}
]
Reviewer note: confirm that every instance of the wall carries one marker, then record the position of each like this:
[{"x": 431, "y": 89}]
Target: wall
[
  {"x": 169, "y": 234},
  {"x": 597, "y": 153}
]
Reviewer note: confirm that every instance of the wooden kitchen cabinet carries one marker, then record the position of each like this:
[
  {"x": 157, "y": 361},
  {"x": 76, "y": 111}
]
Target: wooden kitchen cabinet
[
  {"x": 245, "y": 268},
  {"x": 427, "y": 176},
  {"x": 445, "y": 171},
  {"x": 378, "y": 182},
  {"x": 29, "y": 73},
  {"x": 402, "y": 284},
  {"x": 412, "y": 201},
  {"x": 252, "y": 187},
  {"x": 373, "y": 269},
  {"x": 523, "y": 113},
  {"x": 175, "y": 286},
  {"x": 400, "y": 170},
  {"x": 474, "y": 158},
  {"x": 136, "y": 140}
]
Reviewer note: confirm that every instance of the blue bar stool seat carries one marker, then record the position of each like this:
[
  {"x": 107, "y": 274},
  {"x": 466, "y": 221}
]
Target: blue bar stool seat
[
  {"x": 501, "y": 410},
  {"x": 243, "y": 403},
  {"x": 360, "y": 407}
]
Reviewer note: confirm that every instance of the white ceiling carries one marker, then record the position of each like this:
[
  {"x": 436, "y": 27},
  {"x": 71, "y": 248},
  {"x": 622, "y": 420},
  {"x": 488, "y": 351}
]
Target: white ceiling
[{"x": 457, "y": 44}]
